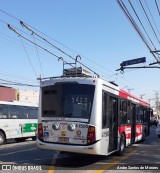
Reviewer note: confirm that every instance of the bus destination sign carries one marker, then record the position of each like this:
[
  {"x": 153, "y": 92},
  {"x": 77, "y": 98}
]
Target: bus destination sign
[{"x": 133, "y": 61}]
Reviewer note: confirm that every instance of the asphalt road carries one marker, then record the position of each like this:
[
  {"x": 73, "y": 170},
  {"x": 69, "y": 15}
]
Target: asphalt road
[{"x": 143, "y": 157}]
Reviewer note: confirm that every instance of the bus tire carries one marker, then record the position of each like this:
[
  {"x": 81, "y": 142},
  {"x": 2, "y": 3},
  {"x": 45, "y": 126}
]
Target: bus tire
[
  {"x": 20, "y": 139},
  {"x": 34, "y": 138},
  {"x": 2, "y": 138},
  {"x": 121, "y": 145}
]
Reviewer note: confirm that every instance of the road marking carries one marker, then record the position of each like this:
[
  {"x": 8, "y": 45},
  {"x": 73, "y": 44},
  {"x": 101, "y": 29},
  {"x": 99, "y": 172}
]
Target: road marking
[
  {"x": 16, "y": 144},
  {"x": 114, "y": 162},
  {"x": 2, "y": 163},
  {"x": 17, "y": 152},
  {"x": 51, "y": 168}
]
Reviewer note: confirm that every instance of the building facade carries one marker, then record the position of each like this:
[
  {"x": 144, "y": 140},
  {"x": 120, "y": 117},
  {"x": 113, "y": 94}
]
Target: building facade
[
  {"x": 7, "y": 93},
  {"x": 12, "y": 94}
]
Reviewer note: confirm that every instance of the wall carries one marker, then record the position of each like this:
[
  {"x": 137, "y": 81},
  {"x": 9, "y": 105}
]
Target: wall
[{"x": 7, "y": 93}]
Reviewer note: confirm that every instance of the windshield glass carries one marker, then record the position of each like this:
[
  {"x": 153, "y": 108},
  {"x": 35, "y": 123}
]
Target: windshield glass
[{"x": 69, "y": 100}]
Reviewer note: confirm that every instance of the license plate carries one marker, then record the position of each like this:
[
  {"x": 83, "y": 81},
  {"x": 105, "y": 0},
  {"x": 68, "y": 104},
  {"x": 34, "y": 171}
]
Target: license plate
[{"x": 63, "y": 139}]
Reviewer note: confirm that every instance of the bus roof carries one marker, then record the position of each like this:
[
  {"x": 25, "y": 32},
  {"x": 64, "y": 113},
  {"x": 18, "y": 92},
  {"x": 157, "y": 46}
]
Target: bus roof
[
  {"x": 89, "y": 80},
  {"x": 18, "y": 103}
]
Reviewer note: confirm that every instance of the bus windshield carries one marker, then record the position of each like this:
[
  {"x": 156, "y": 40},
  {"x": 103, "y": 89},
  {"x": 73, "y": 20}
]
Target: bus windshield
[{"x": 70, "y": 100}]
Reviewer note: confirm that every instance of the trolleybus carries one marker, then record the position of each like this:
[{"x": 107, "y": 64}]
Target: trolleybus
[
  {"x": 18, "y": 120},
  {"x": 84, "y": 114}
]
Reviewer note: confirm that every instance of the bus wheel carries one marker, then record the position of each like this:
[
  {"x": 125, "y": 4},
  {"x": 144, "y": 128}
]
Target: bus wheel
[
  {"x": 2, "y": 138},
  {"x": 121, "y": 145}
]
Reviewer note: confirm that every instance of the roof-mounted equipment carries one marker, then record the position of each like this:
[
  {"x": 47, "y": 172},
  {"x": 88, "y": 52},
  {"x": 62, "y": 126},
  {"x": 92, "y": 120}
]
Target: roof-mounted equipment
[{"x": 77, "y": 72}]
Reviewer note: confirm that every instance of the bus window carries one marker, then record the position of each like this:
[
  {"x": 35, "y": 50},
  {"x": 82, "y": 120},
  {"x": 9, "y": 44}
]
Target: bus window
[
  {"x": 23, "y": 112},
  {"x": 138, "y": 114},
  {"x": 33, "y": 114},
  {"x": 130, "y": 109},
  {"x": 123, "y": 112},
  {"x": 13, "y": 112},
  {"x": 141, "y": 115},
  {"x": 67, "y": 100},
  {"x": 3, "y": 112},
  {"x": 104, "y": 110},
  {"x": 145, "y": 115}
]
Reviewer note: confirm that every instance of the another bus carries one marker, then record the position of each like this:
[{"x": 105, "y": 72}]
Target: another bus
[
  {"x": 84, "y": 114},
  {"x": 18, "y": 120}
]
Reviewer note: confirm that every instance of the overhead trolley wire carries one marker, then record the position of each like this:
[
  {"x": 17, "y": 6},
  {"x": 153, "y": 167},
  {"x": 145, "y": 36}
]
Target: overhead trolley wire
[
  {"x": 35, "y": 29},
  {"x": 18, "y": 83},
  {"x": 71, "y": 49},
  {"x": 21, "y": 30},
  {"x": 23, "y": 45},
  {"x": 9, "y": 14},
  {"x": 59, "y": 58},
  {"x": 141, "y": 23},
  {"x": 128, "y": 15},
  {"x": 130, "y": 18},
  {"x": 38, "y": 57},
  {"x": 149, "y": 21},
  {"x": 64, "y": 45},
  {"x": 57, "y": 42},
  {"x": 75, "y": 59},
  {"x": 28, "y": 57},
  {"x": 152, "y": 16},
  {"x": 157, "y": 7}
]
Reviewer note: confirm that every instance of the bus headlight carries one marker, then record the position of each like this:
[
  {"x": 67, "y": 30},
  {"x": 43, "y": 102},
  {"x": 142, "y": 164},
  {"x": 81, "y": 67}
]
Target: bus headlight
[
  {"x": 71, "y": 127},
  {"x": 55, "y": 126}
]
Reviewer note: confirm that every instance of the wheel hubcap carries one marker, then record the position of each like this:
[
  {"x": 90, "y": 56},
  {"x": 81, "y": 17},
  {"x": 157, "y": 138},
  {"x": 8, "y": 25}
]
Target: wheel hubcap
[{"x": 122, "y": 146}]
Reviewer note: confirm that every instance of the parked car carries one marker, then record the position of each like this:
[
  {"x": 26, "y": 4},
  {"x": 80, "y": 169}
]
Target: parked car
[{"x": 158, "y": 129}]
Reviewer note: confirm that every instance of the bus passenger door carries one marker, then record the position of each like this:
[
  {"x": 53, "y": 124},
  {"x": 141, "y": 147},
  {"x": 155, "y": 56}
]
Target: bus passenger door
[
  {"x": 113, "y": 123},
  {"x": 133, "y": 122}
]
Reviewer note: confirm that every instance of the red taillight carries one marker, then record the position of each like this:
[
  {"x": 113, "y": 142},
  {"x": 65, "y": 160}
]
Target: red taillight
[
  {"x": 40, "y": 131},
  {"x": 91, "y": 138}
]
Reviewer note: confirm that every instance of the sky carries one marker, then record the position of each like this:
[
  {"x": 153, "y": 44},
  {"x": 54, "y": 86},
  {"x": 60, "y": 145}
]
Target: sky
[{"x": 98, "y": 31}]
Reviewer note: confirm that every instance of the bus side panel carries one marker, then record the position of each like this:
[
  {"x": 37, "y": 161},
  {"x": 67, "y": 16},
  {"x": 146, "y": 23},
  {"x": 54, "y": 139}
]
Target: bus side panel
[
  {"x": 138, "y": 132},
  {"x": 127, "y": 131},
  {"x": 14, "y": 128},
  {"x": 105, "y": 142},
  {"x": 4, "y": 126},
  {"x": 29, "y": 128}
]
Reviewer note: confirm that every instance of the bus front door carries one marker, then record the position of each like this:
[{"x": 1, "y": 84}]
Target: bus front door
[{"x": 113, "y": 123}]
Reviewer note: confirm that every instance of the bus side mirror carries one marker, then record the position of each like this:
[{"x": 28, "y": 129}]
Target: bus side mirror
[{"x": 151, "y": 113}]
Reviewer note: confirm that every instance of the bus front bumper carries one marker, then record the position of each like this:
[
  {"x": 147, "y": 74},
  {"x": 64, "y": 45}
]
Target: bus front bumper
[{"x": 90, "y": 149}]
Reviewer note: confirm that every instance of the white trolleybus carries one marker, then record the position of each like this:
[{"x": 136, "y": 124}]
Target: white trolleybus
[
  {"x": 84, "y": 114},
  {"x": 18, "y": 120}
]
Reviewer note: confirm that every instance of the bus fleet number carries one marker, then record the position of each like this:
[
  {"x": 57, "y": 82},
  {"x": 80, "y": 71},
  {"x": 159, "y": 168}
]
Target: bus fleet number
[{"x": 83, "y": 126}]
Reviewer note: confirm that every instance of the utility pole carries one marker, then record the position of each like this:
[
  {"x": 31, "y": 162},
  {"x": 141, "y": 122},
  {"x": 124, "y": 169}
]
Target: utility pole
[
  {"x": 157, "y": 102},
  {"x": 149, "y": 100},
  {"x": 129, "y": 89},
  {"x": 141, "y": 96}
]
